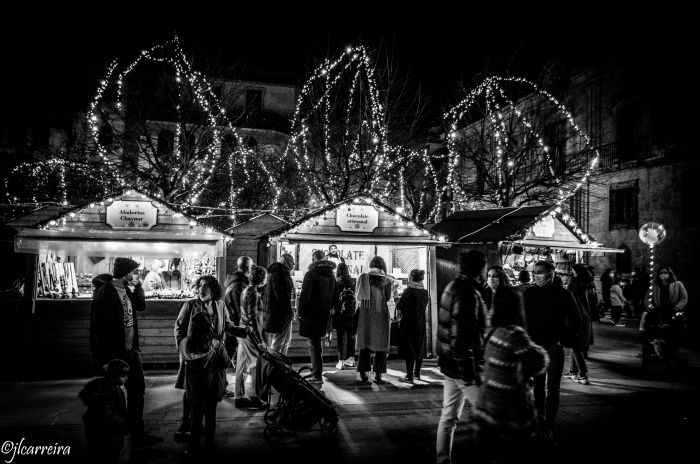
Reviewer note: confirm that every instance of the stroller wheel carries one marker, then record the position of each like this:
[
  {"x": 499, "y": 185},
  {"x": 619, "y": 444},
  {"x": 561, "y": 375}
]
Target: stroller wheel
[
  {"x": 329, "y": 426},
  {"x": 270, "y": 416},
  {"x": 304, "y": 369},
  {"x": 273, "y": 430}
]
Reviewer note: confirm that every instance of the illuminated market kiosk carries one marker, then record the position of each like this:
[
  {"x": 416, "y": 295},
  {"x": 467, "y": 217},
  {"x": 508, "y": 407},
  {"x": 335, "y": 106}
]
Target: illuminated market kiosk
[
  {"x": 354, "y": 231},
  {"x": 73, "y": 245},
  {"x": 517, "y": 238}
]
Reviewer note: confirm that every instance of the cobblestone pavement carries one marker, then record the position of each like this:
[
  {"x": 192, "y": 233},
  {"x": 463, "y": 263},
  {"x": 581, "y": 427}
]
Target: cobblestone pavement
[{"x": 625, "y": 413}]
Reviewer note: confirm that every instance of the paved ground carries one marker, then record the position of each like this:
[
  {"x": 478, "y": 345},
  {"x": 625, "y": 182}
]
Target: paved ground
[{"x": 625, "y": 413}]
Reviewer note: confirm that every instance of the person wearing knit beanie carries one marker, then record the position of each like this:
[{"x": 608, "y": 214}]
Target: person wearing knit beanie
[
  {"x": 123, "y": 266},
  {"x": 114, "y": 334}
]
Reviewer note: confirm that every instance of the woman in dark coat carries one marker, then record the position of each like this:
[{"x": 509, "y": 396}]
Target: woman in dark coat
[
  {"x": 344, "y": 316},
  {"x": 581, "y": 286},
  {"x": 411, "y": 308}
]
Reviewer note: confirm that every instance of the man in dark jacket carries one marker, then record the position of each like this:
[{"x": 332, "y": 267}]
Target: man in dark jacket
[
  {"x": 235, "y": 283},
  {"x": 460, "y": 331},
  {"x": 319, "y": 293},
  {"x": 114, "y": 334},
  {"x": 553, "y": 319},
  {"x": 277, "y": 304}
]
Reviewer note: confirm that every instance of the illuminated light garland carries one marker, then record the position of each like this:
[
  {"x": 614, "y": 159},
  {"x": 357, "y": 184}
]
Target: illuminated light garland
[
  {"x": 217, "y": 123},
  {"x": 652, "y": 234},
  {"x": 491, "y": 88},
  {"x": 364, "y": 120},
  {"x": 311, "y": 219}
]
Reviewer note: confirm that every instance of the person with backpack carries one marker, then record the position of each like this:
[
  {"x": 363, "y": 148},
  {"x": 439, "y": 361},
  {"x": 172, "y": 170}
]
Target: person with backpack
[
  {"x": 344, "y": 316},
  {"x": 411, "y": 312}
]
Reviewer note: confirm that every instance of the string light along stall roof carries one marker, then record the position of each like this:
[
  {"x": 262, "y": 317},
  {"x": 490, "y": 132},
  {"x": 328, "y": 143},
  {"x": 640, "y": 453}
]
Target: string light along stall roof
[
  {"x": 511, "y": 126},
  {"x": 217, "y": 125},
  {"x": 311, "y": 219},
  {"x": 339, "y": 140}
]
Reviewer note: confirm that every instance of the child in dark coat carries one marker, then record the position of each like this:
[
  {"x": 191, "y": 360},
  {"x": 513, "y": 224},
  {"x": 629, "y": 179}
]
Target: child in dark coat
[
  {"x": 105, "y": 418},
  {"x": 205, "y": 381}
]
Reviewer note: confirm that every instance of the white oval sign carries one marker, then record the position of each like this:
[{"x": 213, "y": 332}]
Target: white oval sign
[
  {"x": 129, "y": 215},
  {"x": 357, "y": 218}
]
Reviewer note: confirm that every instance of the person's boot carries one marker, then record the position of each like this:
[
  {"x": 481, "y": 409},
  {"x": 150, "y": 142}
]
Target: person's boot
[
  {"x": 378, "y": 377},
  {"x": 363, "y": 377}
]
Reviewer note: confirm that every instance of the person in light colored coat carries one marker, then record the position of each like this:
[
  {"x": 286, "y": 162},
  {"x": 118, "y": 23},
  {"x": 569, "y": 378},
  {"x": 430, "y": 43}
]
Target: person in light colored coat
[{"x": 373, "y": 291}]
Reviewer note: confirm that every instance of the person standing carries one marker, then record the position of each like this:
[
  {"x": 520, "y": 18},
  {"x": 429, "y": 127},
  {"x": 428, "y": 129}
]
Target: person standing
[
  {"x": 553, "y": 319},
  {"x": 460, "y": 331},
  {"x": 277, "y": 304},
  {"x": 373, "y": 291},
  {"x": 208, "y": 301},
  {"x": 639, "y": 287},
  {"x": 235, "y": 283},
  {"x": 344, "y": 316},
  {"x": 524, "y": 280},
  {"x": 319, "y": 294},
  {"x": 205, "y": 384},
  {"x": 411, "y": 309},
  {"x": 606, "y": 281},
  {"x": 617, "y": 301},
  {"x": 505, "y": 413},
  {"x": 251, "y": 307},
  {"x": 583, "y": 290},
  {"x": 114, "y": 334},
  {"x": 669, "y": 299}
]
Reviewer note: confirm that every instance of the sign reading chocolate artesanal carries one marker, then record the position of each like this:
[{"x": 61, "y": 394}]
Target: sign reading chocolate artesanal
[
  {"x": 129, "y": 215},
  {"x": 354, "y": 218}
]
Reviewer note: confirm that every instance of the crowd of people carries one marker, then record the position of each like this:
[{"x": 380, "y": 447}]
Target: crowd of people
[{"x": 500, "y": 347}]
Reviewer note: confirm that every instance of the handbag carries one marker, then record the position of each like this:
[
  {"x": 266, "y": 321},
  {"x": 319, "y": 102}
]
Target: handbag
[{"x": 394, "y": 331}]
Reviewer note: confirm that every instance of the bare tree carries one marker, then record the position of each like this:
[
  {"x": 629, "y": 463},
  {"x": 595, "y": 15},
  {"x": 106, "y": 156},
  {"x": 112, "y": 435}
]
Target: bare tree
[{"x": 511, "y": 144}]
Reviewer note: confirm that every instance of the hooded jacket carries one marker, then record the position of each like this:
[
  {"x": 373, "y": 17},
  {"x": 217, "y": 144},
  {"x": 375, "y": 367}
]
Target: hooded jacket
[
  {"x": 107, "y": 319},
  {"x": 106, "y": 407},
  {"x": 232, "y": 297},
  {"x": 460, "y": 331},
  {"x": 277, "y": 301},
  {"x": 319, "y": 293}
]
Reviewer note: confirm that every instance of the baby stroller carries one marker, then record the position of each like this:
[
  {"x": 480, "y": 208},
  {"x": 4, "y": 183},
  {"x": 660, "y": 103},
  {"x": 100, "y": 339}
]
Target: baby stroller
[
  {"x": 660, "y": 341},
  {"x": 300, "y": 406}
]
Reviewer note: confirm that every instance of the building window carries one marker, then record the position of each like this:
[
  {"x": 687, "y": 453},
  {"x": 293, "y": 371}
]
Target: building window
[
  {"x": 253, "y": 101},
  {"x": 576, "y": 207},
  {"x": 623, "y": 206},
  {"x": 555, "y": 137},
  {"x": 627, "y": 132}
]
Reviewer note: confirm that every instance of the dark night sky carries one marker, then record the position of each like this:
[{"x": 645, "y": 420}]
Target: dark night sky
[{"x": 48, "y": 58}]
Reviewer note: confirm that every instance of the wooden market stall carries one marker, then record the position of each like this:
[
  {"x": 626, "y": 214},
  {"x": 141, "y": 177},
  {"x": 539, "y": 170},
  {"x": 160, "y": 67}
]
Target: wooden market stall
[
  {"x": 68, "y": 247},
  {"x": 354, "y": 231},
  {"x": 515, "y": 238}
]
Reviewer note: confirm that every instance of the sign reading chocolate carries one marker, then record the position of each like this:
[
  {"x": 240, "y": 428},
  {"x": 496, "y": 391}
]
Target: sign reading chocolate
[
  {"x": 129, "y": 215},
  {"x": 357, "y": 218}
]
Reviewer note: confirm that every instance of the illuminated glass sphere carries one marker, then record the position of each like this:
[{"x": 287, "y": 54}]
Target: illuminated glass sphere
[{"x": 652, "y": 233}]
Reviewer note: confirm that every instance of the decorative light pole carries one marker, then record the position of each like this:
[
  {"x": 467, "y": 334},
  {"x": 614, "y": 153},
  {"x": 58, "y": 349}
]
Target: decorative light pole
[{"x": 652, "y": 234}]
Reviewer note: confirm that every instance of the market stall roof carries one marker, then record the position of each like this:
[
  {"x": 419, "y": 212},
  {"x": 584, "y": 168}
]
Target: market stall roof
[
  {"x": 259, "y": 225},
  {"x": 540, "y": 226},
  {"x": 322, "y": 226},
  {"x": 88, "y": 229},
  {"x": 488, "y": 225}
]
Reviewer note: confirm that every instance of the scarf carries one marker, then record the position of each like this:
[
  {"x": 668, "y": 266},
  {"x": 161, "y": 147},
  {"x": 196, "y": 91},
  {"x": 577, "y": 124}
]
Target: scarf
[
  {"x": 415, "y": 285},
  {"x": 363, "y": 294}
]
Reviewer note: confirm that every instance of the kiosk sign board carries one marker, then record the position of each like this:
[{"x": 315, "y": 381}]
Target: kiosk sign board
[
  {"x": 130, "y": 215},
  {"x": 357, "y": 218}
]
